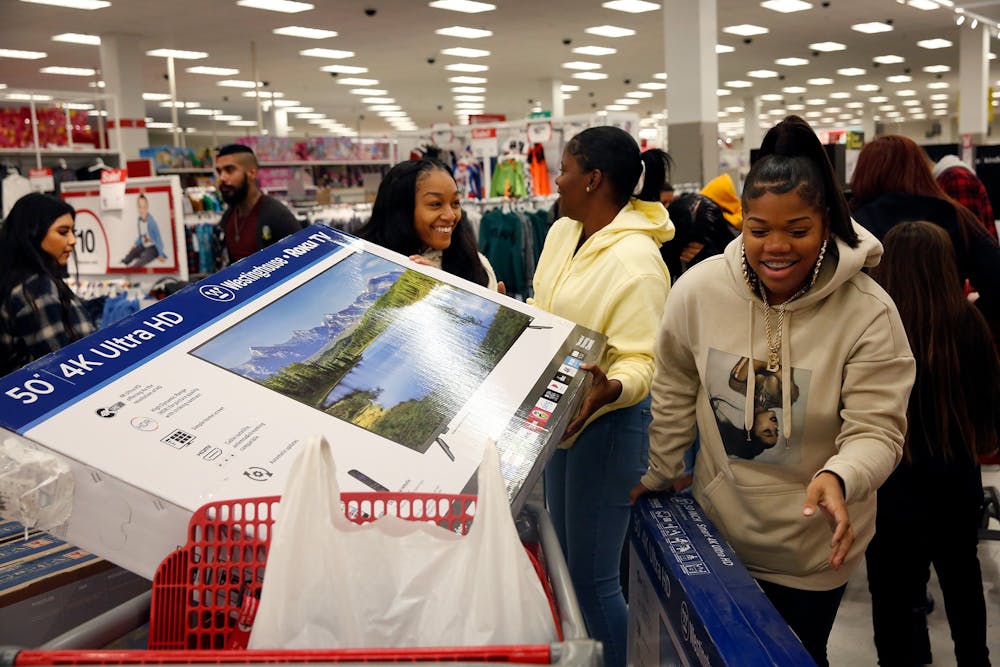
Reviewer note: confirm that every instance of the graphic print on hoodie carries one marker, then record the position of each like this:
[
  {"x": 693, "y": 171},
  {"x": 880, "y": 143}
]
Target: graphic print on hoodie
[{"x": 763, "y": 442}]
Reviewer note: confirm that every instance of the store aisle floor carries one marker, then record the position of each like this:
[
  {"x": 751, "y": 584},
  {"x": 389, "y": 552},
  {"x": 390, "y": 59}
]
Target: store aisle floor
[{"x": 851, "y": 642}]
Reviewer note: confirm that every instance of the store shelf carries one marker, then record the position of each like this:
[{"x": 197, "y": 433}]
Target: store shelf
[
  {"x": 186, "y": 170},
  {"x": 321, "y": 163},
  {"x": 57, "y": 151}
]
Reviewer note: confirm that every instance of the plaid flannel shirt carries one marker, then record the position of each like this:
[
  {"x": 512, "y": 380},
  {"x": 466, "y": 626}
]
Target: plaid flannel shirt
[
  {"x": 964, "y": 187},
  {"x": 32, "y": 325}
]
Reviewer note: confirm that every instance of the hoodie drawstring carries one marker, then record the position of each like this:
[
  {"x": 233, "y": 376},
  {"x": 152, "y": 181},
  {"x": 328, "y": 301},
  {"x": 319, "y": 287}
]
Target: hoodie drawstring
[
  {"x": 786, "y": 378},
  {"x": 748, "y": 408}
]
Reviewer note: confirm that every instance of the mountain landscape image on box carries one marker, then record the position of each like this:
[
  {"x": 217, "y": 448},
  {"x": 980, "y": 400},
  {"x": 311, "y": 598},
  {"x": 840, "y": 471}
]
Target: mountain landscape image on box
[{"x": 387, "y": 349}]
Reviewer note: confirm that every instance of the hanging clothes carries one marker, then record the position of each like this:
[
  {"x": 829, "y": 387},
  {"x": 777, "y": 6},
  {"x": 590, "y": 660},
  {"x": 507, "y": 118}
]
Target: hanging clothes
[
  {"x": 540, "y": 183},
  {"x": 14, "y": 186},
  {"x": 509, "y": 178}
]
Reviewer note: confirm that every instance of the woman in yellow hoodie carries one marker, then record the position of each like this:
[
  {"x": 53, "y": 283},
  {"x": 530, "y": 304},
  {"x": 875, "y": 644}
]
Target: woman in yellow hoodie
[
  {"x": 829, "y": 351},
  {"x": 601, "y": 268}
]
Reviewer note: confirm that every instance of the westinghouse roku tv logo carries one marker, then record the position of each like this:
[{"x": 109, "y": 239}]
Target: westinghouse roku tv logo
[{"x": 216, "y": 293}]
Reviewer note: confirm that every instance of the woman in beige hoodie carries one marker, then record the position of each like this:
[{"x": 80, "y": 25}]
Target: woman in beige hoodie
[{"x": 790, "y": 295}]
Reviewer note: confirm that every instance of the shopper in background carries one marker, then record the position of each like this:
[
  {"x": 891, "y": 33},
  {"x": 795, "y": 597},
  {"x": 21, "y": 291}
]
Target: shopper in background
[
  {"x": 418, "y": 213},
  {"x": 722, "y": 191},
  {"x": 893, "y": 183},
  {"x": 960, "y": 182},
  {"x": 601, "y": 268},
  {"x": 667, "y": 194},
  {"x": 39, "y": 313},
  {"x": 702, "y": 231},
  {"x": 252, "y": 219},
  {"x": 798, "y": 509},
  {"x": 929, "y": 508}
]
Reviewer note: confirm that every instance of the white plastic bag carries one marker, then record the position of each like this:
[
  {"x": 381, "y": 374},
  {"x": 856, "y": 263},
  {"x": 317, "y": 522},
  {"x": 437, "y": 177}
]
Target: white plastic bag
[
  {"x": 36, "y": 488},
  {"x": 332, "y": 584}
]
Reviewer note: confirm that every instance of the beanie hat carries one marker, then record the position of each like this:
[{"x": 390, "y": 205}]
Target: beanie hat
[{"x": 722, "y": 191}]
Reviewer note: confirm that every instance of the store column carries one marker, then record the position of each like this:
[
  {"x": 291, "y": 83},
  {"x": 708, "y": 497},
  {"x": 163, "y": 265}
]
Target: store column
[
  {"x": 752, "y": 135},
  {"x": 973, "y": 84},
  {"x": 121, "y": 69},
  {"x": 868, "y": 121},
  {"x": 689, "y": 29}
]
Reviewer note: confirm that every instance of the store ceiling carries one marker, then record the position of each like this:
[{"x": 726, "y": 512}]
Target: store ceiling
[{"x": 526, "y": 48}]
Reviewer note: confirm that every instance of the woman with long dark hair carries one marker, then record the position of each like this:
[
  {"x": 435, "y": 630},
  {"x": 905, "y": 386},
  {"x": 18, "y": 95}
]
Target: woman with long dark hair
[
  {"x": 929, "y": 509},
  {"x": 601, "y": 268},
  {"x": 418, "y": 213},
  {"x": 38, "y": 311},
  {"x": 893, "y": 183}
]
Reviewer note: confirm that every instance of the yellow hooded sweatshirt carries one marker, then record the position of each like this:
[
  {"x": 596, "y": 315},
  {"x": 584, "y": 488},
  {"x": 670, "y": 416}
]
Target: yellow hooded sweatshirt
[
  {"x": 722, "y": 191},
  {"x": 616, "y": 283}
]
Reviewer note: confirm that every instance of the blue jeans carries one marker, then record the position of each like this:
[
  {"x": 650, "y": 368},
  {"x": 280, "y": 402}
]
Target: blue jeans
[{"x": 587, "y": 492}]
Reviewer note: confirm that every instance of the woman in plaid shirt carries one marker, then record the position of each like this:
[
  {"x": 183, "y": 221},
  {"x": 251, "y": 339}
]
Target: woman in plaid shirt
[{"x": 39, "y": 313}]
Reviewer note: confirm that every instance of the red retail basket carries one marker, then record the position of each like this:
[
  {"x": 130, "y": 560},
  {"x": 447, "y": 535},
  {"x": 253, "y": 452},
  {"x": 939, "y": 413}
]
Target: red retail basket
[{"x": 205, "y": 593}]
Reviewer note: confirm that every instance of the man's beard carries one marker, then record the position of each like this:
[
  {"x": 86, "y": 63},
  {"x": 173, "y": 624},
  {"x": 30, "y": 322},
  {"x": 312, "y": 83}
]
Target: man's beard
[{"x": 233, "y": 196}]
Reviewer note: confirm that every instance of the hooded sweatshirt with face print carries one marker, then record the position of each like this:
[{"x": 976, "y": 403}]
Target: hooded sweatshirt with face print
[
  {"x": 838, "y": 404},
  {"x": 615, "y": 283}
]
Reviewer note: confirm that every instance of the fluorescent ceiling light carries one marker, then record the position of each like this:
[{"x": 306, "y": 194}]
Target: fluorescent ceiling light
[
  {"x": 887, "y": 107},
  {"x": 867, "y": 87},
  {"x": 855, "y": 105},
  {"x": 391, "y": 114},
  {"x": 840, "y": 95},
  {"x": 466, "y": 33},
  {"x": 820, "y": 81},
  {"x": 889, "y": 59},
  {"x": 631, "y": 6},
  {"x": 95, "y": 84},
  {"x": 722, "y": 91},
  {"x": 23, "y": 55},
  {"x": 942, "y": 96},
  {"x": 286, "y": 103},
  {"x": 466, "y": 6},
  {"x": 310, "y": 116},
  {"x": 791, "y": 62},
  {"x": 327, "y": 53},
  {"x": 344, "y": 69},
  {"x": 627, "y": 101},
  {"x": 462, "y": 52},
  {"x": 467, "y": 79},
  {"x": 159, "y": 126},
  {"x": 264, "y": 94},
  {"x": 242, "y": 123},
  {"x": 466, "y": 98},
  {"x": 203, "y": 112},
  {"x": 466, "y": 67},
  {"x": 925, "y": 5},
  {"x": 937, "y": 69},
  {"x": 307, "y": 33},
  {"x": 69, "y": 71},
  {"x": 385, "y": 107},
  {"x": 816, "y": 101},
  {"x": 580, "y": 65},
  {"x": 850, "y": 71},
  {"x": 358, "y": 82},
  {"x": 373, "y": 92},
  {"x": 463, "y": 105},
  {"x": 639, "y": 94},
  {"x": 213, "y": 71},
  {"x": 660, "y": 75},
  {"x": 936, "y": 43},
  {"x": 73, "y": 4},
  {"x": 653, "y": 85},
  {"x": 738, "y": 84},
  {"x": 772, "y": 97},
  {"x": 827, "y": 47},
  {"x": 566, "y": 88},
  {"x": 796, "y": 107},
  {"x": 939, "y": 105},
  {"x": 899, "y": 78},
  {"x": 29, "y": 96},
  {"x": 155, "y": 97},
  {"x": 79, "y": 106},
  {"x": 590, "y": 76},
  {"x": 745, "y": 30},
  {"x": 906, "y": 93},
  {"x": 937, "y": 84},
  {"x": 228, "y": 117},
  {"x": 723, "y": 48},
  {"x": 475, "y": 90},
  {"x": 177, "y": 53},
  {"x": 911, "y": 103},
  {"x": 786, "y": 6},
  {"x": 180, "y": 105},
  {"x": 793, "y": 90},
  {"x": 595, "y": 50},
  {"x": 878, "y": 99},
  {"x": 378, "y": 100},
  {"x": 872, "y": 27},
  {"x": 237, "y": 83},
  {"x": 616, "y": 107},
  {"x": 298, "y": 109},
  {"x": 762, "y": 74},
  {"x": 284, "y": 6},
  {"x": 609, "y": 31},
  {"x": 734, "y": 109},
  {"x": 78, "y": 38}
]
